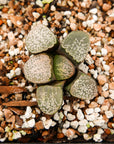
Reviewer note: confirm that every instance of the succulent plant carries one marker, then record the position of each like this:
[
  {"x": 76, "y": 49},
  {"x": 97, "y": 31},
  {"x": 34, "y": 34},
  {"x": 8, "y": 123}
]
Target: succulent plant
[
  {"x": 83, "y": 87},
  {"x": 49, "y": 98},
  {"x": 76, "y": 45},
  {"x": 63, "y": 68},
  {"x": 38, "y": 69},
  {"x": 40, "y": 39}
]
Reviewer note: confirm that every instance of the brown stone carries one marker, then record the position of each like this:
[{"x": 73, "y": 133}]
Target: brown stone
[
  {"x": 4, "y": 10},
  {"x": 1, "y": 130},
  {"x": 39, "y": 10},
  {"x": 93, "y": 105},
  {"x": 106, "y": 7},
  {"x": 111, "y": 85},
  {"x": 58, "y": 16},
  {"x": 39, "y": 125},
  {"x": 46, "y": 8}
]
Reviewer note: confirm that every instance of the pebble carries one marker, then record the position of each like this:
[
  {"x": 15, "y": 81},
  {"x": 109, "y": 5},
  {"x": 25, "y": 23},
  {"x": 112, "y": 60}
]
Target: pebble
[
  {"x": 97, "y": 109},
  {"x": 70, "y": 133},
  {"x": 87, "y": 137},
  {"x": 56, "y": 116},
  {"x": 100, "y": 100},
  {"x": 99, "y": 122},
  {"x": 58, "y": 16},
  {"x": 95, "y": 18},
  {"x": 80, "y": 114},
  {"x": 102, "y": 79},
  {"x": 30, "y": 88},
  {"x": 104, "y": 52},
  {"x": 83, "y": 67},
  {"x": 71, "y": 117},
  {"x": 93, "y": 10},
  {"x": 105, "y": 87},
  {"x": 106, "y": 7},
  {"x": 108, "y": 114},
  {"x": 83, "y": 122},
  {"x": 53, "y": 8},
  {"x": 74, "y": 124},
  {"x": 111, "y": 85},
  {"x": 106, "y": 67},
  {"x": 66, "y": 124},
  {"x": 89, "y": 60},
  {"x": 73, "y": 26},
  {"x": 16, "y": 135},
  {"x": 9, "y": 23},
  {"x": 47, "y": 124},
  {"x": 93, "y": 52},
  {"x": 67, "y": 13},
  {"x": 93, "y": 104},
  {"x": 36, "y": 15},
  {"x": 81, "y": 16},
  {"x": 67, "y": 107},
  {"x": 97, "y": 138},
  {"x": 3, "y": 2},
  {"x": 82, "y": 129},
  {"x": 97, "y": 27},
  {"x": 89, "y": 110},
  {"x": 31, "y": 123},
  {"x": 18, "y": 71},
  {"x": 39, "y": 3}
]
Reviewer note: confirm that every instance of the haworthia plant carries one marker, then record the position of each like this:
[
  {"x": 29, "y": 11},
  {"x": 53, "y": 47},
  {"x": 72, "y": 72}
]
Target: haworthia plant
[
  {"x": 76, "y": 45},
  {"x": 49, "y": 98},
  {"x": 38, "y": 69},
  {"x": 40, "y": 39},
  {"x": 83, "y": 87},
  {"x": 63, "y": 68}
]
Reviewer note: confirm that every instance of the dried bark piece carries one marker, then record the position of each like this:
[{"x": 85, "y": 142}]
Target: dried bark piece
[
  {"x": 20, "y": 103},
  {"x": 7, "y": 114},
  {"x": 11, "y": 89},
  {"x": 16, "y": 110},
  {"x": 18, "y": 120}
]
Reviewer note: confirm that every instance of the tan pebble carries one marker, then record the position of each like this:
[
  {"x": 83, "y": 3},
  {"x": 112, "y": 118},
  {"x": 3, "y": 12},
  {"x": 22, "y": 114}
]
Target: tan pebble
[
  {"x": 73, "y": 26},
  {"x": 16, "y": 20},
  {"x": 70, "y": 132},
  {"x": 100, "y": 2},
  {"x": 105, "y": 118},
  {"x": 45, "y": 133},
  {"x": 39, "y": 10},
  {"x": 104, "y": 108},
  {"x": 111, "y": 67},
  {"x": 111, "y": 85},
  {"x": 105, "y": 93},
  {"x": 108, "y": 48},
  {"x": 101, "y": 34},
  {"x": 46, "y": 8},
  {"x": 112, "y": 27},
  {"x": 39, "y": 125},
  {"x": 102, "y": 79},
  {"x": 107, "y": 29},
  {"x": 97, "y": 27},
  {"x": 82, "y": 104},
  {"x": 93, "y": 105},
  {"x": 1, "y": 130},
  {"x": 106, "y": 7},
  {"x": 72, "y": 20},
  {"x": 109, "y": 19},
  {"x": 58, "y": 16},
  {"x": 81, "y": 16},
  {"x": 60, "y": 135}
]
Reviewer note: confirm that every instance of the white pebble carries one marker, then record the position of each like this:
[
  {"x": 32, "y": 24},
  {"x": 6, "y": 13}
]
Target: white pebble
[
  {"x": 36, "y": 15},
  {"x": 83, "y": 122},
  {"x": 56, "y": 116},
  {"x": 28, "y": 112},
  {"x": 0, "y": 38},
  {"x": 83, "y": 67},
  {"x": 95, "y": 18},
  {"x": 106, "y": 67},
  {"x": 39, "y": 3},
  {"x": 108, "y": 114},
  {"x": 31, "y": 123},
  {"x": 103, "y": 51},
  {"x": 74, "y": 124},
  {"x": 105, "y": 87},
  {"x": 67, "y": 13},
  {"x": 66, "y": 124},
  {"x": 71, "y": 117},
  {"x": 89, "y": 60},
  {"x": 91, "y": 124},
  {"x": 80, "y": 114},
  {"x": 97, "y": 138},
  {"x": 93, "y": 52},
  {"x": 53, "y": 8},
  {"x": 47, "y": 123},
  {"x": 99, "y": 122},
  {"x": 9, "y": 23},
  {"x": 87, "y": 137},
  {"x": 97, "y": 109},
  {"x": 90, "y": 117},
  {"x": 82, "y": 129},
  {"x": 65, "y": 34},
  {"x": 30, "y": 88},
  {"x": 100, "y": 131},
  {"x": 98, "y": 43},
  {"x": 100, "y": 100},
  {"x": 18, "y": 71},
  {"x": 67, "y": 107},
  {"x": 93, "y": 10},
  {"x": 89, "y": 110},
  {"x": 16, "y": 135}
]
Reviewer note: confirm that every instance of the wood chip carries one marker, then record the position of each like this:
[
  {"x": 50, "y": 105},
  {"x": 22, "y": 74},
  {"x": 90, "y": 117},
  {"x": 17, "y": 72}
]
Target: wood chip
[
  {"x": 18, "y": 120},
  {"x": 20, "y": 103},
  {"x": 16, "y": 110},
  {"x": 11, "y": 89}
]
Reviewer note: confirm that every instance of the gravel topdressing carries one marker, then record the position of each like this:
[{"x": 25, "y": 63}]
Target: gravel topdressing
[{"x": 77, "y": 120}]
